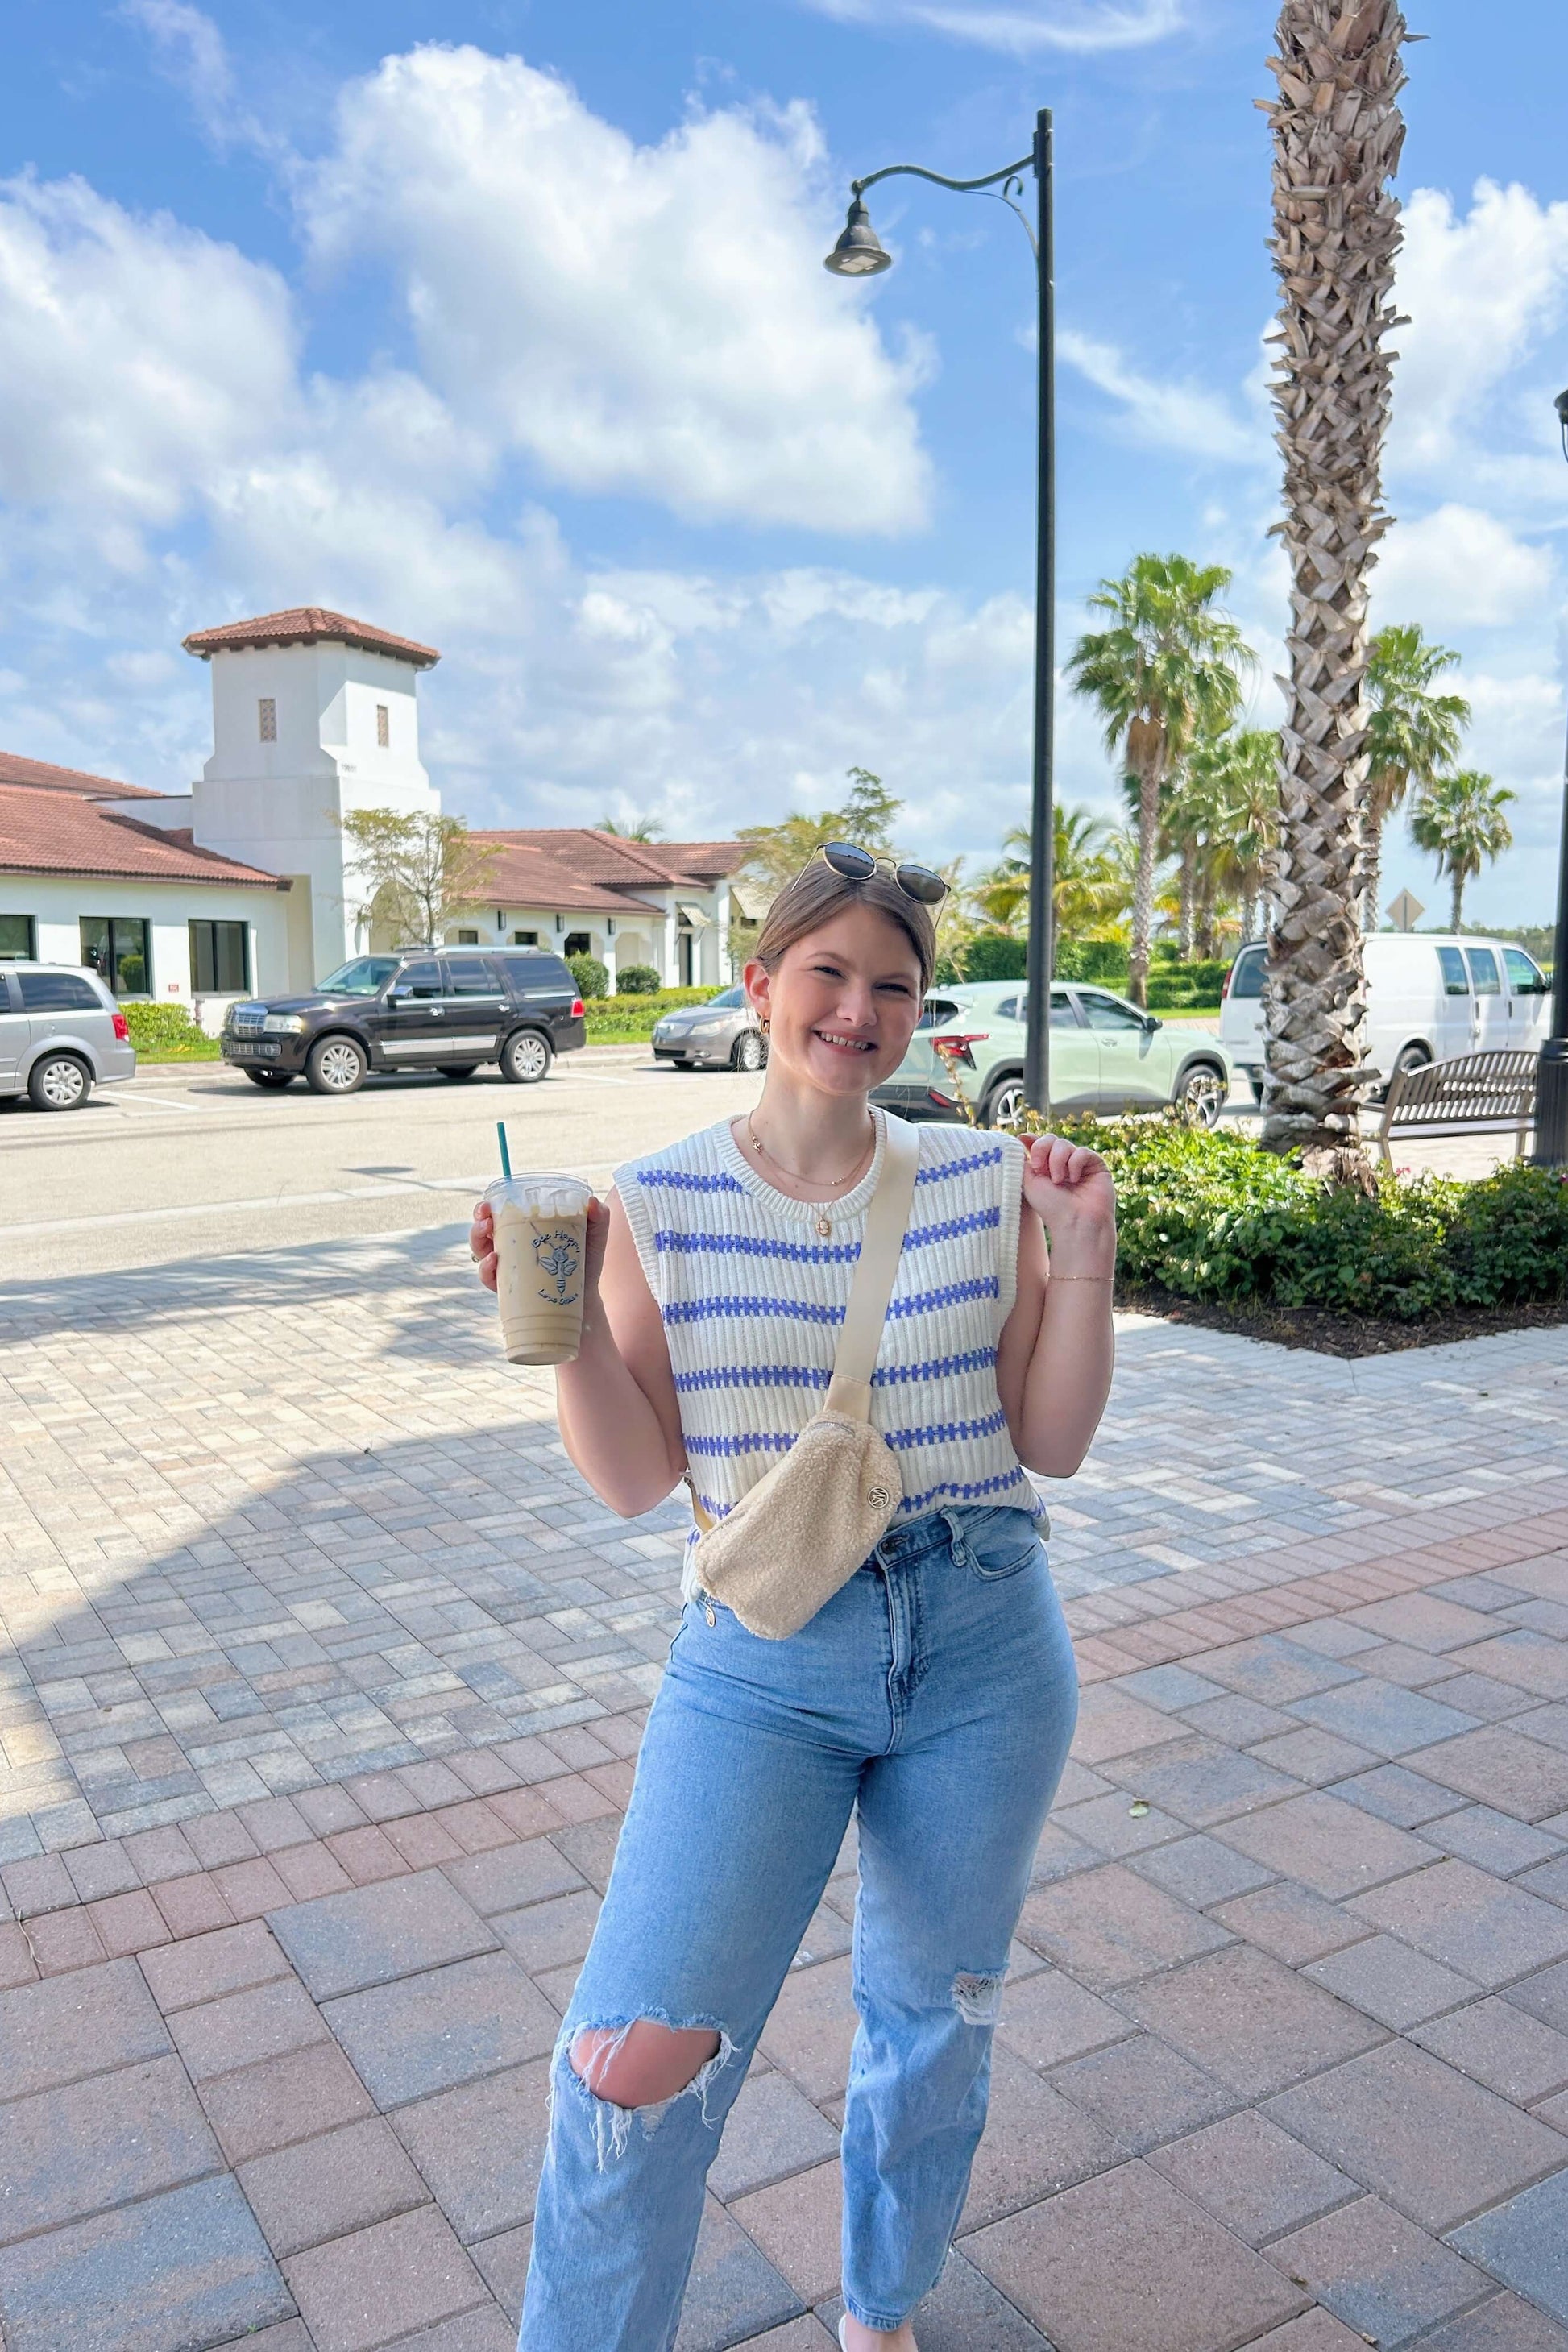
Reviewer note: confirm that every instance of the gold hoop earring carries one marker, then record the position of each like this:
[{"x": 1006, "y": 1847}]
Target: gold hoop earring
[{"x": 764, "y": 1023}]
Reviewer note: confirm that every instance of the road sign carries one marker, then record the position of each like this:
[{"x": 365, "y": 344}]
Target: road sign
[{"x": 1405, "y": 912}]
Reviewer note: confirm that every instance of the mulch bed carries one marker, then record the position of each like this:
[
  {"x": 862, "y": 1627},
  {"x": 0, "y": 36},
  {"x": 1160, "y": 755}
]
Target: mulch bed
[{"x": 1325, "y": 1334}]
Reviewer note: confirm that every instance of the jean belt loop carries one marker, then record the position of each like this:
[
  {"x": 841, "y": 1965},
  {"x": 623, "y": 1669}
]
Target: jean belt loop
[{"x": 955, "y": 1526}]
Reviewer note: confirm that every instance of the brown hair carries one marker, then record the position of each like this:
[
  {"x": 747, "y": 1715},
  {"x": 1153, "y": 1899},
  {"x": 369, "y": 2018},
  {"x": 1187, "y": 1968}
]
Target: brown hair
[{"x": 815, "y": 895}]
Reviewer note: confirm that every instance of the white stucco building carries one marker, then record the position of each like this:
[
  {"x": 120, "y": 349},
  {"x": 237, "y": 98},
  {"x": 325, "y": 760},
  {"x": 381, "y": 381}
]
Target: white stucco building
[{"x": 243, "y": 884}]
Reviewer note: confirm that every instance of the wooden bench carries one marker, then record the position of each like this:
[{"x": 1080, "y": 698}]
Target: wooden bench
[{"x": 1475, "y": 1094}]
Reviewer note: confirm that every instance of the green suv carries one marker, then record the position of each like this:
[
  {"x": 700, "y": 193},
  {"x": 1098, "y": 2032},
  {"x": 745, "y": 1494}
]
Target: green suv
[{"x": 1106, "y": 1055}]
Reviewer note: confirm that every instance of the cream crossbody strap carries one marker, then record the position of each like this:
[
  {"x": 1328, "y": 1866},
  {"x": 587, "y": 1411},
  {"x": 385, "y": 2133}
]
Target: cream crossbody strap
[{"x": 876, "y": 1271}]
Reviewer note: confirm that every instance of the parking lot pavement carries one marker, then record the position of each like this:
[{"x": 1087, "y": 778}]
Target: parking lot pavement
[
  {"x": 323, "y": 1683},
  {"x": 195, "y": 1162}
]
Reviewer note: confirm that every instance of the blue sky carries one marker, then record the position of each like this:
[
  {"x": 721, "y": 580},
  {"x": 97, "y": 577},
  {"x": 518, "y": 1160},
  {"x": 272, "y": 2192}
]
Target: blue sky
[{"x": 504, "y": 325}]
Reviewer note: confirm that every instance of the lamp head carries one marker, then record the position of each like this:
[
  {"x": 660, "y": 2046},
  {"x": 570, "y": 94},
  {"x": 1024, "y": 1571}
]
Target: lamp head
[
  {"x": 1562, "y": 406},
  {"x": 858, "y": 253}
]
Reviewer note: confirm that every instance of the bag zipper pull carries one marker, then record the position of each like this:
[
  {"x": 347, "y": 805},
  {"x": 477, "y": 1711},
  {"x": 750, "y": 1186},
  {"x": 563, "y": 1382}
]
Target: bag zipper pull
[{"x": 707, "y": 1611}]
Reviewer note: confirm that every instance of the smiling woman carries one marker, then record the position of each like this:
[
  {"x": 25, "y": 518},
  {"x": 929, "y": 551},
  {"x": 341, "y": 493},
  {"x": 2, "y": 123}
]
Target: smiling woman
[{"x": 828, "y": 1324}]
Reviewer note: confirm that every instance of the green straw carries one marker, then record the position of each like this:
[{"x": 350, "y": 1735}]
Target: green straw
[{"x": 505, "y": 1154}]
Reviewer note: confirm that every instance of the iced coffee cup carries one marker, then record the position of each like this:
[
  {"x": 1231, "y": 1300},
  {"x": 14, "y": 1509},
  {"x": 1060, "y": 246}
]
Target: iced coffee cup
[{"x": 541, "y": 1236}]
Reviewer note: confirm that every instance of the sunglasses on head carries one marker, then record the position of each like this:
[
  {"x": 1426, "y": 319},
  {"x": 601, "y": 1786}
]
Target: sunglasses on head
[{"x": 858, "y": 865}]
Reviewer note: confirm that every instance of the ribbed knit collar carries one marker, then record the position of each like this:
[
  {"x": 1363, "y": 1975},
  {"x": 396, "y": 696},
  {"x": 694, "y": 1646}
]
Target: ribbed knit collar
[{"x": 850, "y": 1206}]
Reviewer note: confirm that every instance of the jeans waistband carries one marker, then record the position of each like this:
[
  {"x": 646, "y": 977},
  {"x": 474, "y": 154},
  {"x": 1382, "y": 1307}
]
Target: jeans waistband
[{"x": 934, "y": 1532}]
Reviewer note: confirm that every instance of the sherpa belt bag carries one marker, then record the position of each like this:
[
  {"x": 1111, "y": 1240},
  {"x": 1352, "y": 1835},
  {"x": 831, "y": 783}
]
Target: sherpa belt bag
[{"x": 804, "y": 1529}]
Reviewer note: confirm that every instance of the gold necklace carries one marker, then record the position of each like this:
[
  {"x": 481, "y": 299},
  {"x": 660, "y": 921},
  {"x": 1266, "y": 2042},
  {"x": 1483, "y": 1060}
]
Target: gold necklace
[{"x": 823, "y": 1223}]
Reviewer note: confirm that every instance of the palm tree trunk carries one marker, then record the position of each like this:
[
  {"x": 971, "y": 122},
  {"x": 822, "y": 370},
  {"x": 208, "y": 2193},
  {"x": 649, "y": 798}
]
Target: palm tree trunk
[
  {"x": 1189, "y": 880},
  {"x": 1248, "y": 907},
  {"x": 1371, "y": 867},
  {"x": 1456, "y": 898},
  {"x": 1144, "y": 885},
  {"x": 1337, "y": 133}
]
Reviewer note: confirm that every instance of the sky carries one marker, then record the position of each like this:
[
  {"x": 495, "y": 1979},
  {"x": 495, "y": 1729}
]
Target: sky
[{"x": 503, "y": 324}]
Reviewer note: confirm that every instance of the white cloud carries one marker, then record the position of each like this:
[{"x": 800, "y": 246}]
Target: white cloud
[
  {"x": 1459, "y": 568},
  {"x": 653, "y": 319},
  {"x": 141, "y": 357},
  {"x": 1481, "y": 291},
  {"x": 1164, "y": 415},
  {"x": 191, "y": 53},
  {"x": 1026, "y": 27}
]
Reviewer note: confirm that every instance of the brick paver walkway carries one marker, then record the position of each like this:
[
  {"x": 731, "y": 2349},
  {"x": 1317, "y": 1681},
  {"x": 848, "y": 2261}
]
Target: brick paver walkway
[{"x": 321, "y": 1684}]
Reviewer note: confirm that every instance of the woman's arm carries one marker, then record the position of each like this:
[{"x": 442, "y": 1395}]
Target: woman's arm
[
  {"x": 616, "y": 1401},
  {"x": 1055, "y": 1357}
]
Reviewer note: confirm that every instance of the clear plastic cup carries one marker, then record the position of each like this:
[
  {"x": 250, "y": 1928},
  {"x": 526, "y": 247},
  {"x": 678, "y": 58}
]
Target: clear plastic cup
[{"x": 541, "y": 1239}]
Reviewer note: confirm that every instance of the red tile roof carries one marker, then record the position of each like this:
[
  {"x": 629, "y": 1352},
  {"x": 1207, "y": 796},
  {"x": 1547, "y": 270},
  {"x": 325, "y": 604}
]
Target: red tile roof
[
  {"x": 40, "y": 777},
  {"x": 60, "y": 832},
  {"x": 304, "y": 624},
  {"x": 525, "y": 876},
  {"x": 611, "y": 860}
]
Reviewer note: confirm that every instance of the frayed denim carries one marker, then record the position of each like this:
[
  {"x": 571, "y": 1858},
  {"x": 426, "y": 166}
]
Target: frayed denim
[{"x": 933, "y": 1699}]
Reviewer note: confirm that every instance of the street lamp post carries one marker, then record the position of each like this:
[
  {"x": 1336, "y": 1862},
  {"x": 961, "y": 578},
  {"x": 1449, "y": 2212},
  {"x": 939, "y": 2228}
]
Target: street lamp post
[
  {"x": 1551, "y": 1068},
  {"x": 858, "y": 253}
]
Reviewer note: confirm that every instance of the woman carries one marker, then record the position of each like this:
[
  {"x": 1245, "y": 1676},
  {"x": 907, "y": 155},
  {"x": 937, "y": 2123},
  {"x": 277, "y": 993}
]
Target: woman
[{"x": 932, "y": 1699}]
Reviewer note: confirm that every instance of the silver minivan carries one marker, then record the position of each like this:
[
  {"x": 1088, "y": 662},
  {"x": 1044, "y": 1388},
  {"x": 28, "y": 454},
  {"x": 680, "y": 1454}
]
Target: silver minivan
[{"x": 61, "y": 1034}]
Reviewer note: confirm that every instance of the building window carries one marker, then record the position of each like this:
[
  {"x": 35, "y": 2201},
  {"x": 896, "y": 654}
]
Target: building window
[
  {"x": 220, "y": 959},
  {"x": 116, "y": 948},
  {"x": 382, "y": 724},
  {"x": 467, "y": 938},
  {"x": 525, "y": 938},
  {"x": 578, "y": 943},
  {"x": 16, "y": 938},
  {"x": 267, "y": 714}
]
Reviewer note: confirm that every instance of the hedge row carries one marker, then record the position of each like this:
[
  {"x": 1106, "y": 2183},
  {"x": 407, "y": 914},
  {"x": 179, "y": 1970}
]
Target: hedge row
[
  {"x": 1210, "y": 1215},
  {"x": 630, "y": 1020},
  {"x": 166, "y": 1032}
]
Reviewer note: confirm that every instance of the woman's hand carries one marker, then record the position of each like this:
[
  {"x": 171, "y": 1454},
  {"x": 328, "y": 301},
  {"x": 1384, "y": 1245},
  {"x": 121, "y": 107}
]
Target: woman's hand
[
  {"x": 1070, "y": 1189},
  {"x": 482, "y": 1245}
]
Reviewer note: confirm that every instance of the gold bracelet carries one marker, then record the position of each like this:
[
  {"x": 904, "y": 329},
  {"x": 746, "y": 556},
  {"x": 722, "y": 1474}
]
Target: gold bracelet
[{"x": 1078, "y": 1277}]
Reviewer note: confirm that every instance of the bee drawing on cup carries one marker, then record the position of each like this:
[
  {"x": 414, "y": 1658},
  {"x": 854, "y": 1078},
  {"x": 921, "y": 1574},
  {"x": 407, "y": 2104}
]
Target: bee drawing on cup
[{"x": 559, "y": 1257}]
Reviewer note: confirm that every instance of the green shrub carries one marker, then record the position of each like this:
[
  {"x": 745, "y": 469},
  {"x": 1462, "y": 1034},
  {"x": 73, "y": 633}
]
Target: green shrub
[
  {"x": 166, "y": 1032},
  {"x": 993, "y": 955},
  {"x": 944, "y": 971},
  {"x": 1211, "y": 1216},
  {"x": 1102, "y": 960},
  {"x": 592, "y": 978},
  {"x": 1173, "y": 985},
  {"x": 630, "y": 1020},
  {"x": 638, "y": 980}
]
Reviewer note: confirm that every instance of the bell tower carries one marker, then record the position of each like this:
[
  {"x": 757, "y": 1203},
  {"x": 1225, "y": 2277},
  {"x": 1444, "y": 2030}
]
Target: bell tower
[{"x": 314, "y": 715}]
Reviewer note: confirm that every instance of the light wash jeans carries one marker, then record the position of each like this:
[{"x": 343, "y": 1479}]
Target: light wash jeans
[{"x": 935, "y": 1696}]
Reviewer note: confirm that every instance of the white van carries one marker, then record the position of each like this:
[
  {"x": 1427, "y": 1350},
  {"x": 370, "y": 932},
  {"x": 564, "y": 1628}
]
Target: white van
[{"x": 1427, "y": 999}]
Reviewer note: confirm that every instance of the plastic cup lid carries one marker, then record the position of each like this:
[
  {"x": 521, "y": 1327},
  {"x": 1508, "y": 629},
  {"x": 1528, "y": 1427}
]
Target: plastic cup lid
[{"x": 543, "y": 1192}]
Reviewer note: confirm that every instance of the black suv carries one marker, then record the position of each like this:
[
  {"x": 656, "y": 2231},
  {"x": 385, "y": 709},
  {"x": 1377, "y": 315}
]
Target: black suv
[{"x": 423, "y": 1009}]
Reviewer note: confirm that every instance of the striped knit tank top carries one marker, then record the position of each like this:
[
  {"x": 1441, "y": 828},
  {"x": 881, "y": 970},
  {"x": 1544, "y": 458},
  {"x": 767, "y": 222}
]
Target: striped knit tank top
[{"x": 752, "y": 1294}]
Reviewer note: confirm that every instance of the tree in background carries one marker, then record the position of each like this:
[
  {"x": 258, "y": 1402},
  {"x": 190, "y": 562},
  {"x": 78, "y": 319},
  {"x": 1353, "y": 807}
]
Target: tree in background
[
  {"x": 641, "y": 828},
  {"x": 1459, "y": 820},
  {"x": 1233, "y": 778},
  {"x": 868, "y": 814},
  {"x": 419, "y": 873},
  {"x": 1337, "y": 132},
  {"x": 1165, "y": 670},
  {"x": 1412, "y": 737},
  {"x": 1087, "y": 896}
]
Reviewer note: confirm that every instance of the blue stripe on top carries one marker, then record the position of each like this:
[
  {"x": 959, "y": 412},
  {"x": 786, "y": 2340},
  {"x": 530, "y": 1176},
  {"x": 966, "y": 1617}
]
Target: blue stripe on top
[
  {"x": 941, "y": 1170},
  {"x": 804, "y": 1310},
  {"x": 779, "y": 1441},
  {"x": 710, "y": 1244},
  {"x": 811, "y": 1376},
  {"x": 682, "y": 1180}
]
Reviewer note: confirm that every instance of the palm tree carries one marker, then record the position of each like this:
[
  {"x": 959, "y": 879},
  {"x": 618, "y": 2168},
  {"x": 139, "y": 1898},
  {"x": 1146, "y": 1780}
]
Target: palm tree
[
  {"x": 642, "y": 828},
  {"x": 1163, "y": 669},
  {"x": 1460, "y": 820},
  {"x": 1412, "y": 737},
  {"x": 1085, "y": 889},
  {"x": 1337, "y": 132},
  {"x": 1235, "y": 777}
]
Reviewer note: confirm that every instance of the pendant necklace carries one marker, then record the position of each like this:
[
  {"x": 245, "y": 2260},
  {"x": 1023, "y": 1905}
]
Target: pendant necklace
[{"x": 824, "y": 1222}]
